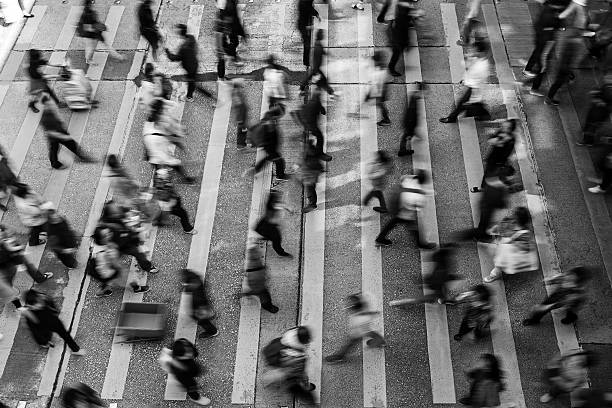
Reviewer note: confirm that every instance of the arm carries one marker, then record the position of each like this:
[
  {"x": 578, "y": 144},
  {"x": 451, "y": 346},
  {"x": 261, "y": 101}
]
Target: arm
[{"x": 173, "y": 57}]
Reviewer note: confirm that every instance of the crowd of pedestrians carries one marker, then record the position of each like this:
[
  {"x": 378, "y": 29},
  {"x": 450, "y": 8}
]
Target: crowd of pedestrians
[{"x": 124, "y": 225}]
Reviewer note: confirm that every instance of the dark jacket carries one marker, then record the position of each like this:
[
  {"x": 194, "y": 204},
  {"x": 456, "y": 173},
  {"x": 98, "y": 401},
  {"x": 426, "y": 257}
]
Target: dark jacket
[
  {"x": 411, "y": 112},
  {"x": 145, "y": 17},
  {"x": 61, "y": 235},
  {"x": 187, "y": 54},
  {"x": 306, "y": 12},
  {"x": 317, "y": 56},
  {"x": 231, "y": 14},
  {"x": 494, "y": 195},
  {"x": 399, "y": 28},
  {"x": 484, "y": 391},
  {"x": 51, "y": 122},
  {"x": 312, "y": 110},
  {"x": 89, "y": 17},
  {"x": 498, "y": 155}
]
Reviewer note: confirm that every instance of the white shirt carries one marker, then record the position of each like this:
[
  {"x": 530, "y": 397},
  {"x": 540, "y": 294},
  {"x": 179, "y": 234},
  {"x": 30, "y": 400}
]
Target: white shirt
[{"x": 274, "y": 83}]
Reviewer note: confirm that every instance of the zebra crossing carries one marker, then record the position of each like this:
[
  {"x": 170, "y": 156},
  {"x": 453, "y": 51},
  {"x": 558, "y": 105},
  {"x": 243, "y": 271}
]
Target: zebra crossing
[{"x": 122, "y": 371}]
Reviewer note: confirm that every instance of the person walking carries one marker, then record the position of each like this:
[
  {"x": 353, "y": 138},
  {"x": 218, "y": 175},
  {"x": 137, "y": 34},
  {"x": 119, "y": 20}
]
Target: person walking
[
  {"x": 469, "y": 22},
  {"x": 308, "y": 116},
  {"x": 12, "y": 255},
  {"x": 568, "y": 293},
  {"x": 378, "y": 88},
  {"x": 267, "y": 136},
  {"x": 399, "y": 33},
  {"x": 409, "y": 203},
  {"x": 486, "y": 382},
  {"x": 476, "y": 74},
  {"x": 597, "y": 115},
  {"x": 31, "y": 212},
  {"x": 442, "y": 273},
  {"x": 38, "y": 81},
  {"x": 43, "y": 319},
  {"x": 478, "y": 313},
  {"x": 180, "y": 361},
  {"x": 124, "y": 189},
  {"x": 566, "y": 373},
  {"x": 241, "y": 112},
  {"x": 56, "y": 134},
  {"x": 201, "y": 310},
  {"x": 92, "y": 30},
  {"x": 605, "y": 167},
  {"x": 62, "y": 238},
  {"x": 235, "y": 29},
  {"x": 256, "y": 279},
  {"x": 7, "y": 178},
  {"x": 268, "y": 224},
  {"x": 494, "y": 197},
  {"x": 169, "y": 201},
  {"x": 148, "y": 27},
  {"x": 306, "y": 13},
  {"x": 360, "y": 323},
  {"x": 411, "y": 120},
  {"x": 310, "y": 170},
  {"x": 379, "y": 170},
  {"x": 315, "y": 73},
  {"x": 275, "y": 88},
  {"x": 501, "y": 148},
  {"x": 187, "y": 55},
  {"x": 81, "y": 395},
  {"x": 571, "y": 45}
]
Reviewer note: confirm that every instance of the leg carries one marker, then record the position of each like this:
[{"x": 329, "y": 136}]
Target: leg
[
  {"x": 346, "y": 347},
  {"x": 561, "y": 78},
  {"x": 221, "y": 67},
  {"x": 276, "y": 238},
  {"x": 570, "y": 317},
  {"x": 387, "y": 228},
  {"x": 376, "y": 340},
  {"x": 33, "y": 271},
  {"x": 464, "y": 329},
  {"x": 316, "y": 132},
  {"x": 241, "y": 134},
  {"x": 191, "y": 84},
  {"x": 180, "y": 212},
  {"x": 305, "y": 33},
  {"x": 324, "y": 83},
  {"x": 181, "y": 172},
  {"x": 207, "y": 326},
  {"x": 141, "y": 258},
  {"x": 397, "y": 52},
  {"x": 486, "y": 213},
  {"x": 67, "y": 259},
  {"x": 52, "y": 94},
  {"x": 90, "y": 46},
  {"x": 381, "y": 198},
  {"x": 368, "y": 197},
  {"x": 383, "y": 11},
  {"x": 111, "y": 51},
  {"x": 537, "y": 313},
  {"x": 260, "y": 164},
  {"x": 460, "y": 107},
  {"x": 266, "y": 301},
  {"x": 190, "y": 385},
  {"x": 35, "y": 235},
  {"x": 380, "y": 102},
  {"x": 58, "y": 327},
  {"x": 311, "y": 194},
  {"x": 53, "y": 145},
  {"x": 279, "y": 165}
]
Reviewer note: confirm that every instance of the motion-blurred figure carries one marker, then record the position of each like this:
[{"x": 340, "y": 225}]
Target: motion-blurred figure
[
  {"x": 170, "y": 201},
  {"x": 306, "y": 13},
  {"x": 80, "y": 395},
  {"x": 478, "y": 312},
  {"x": 92, "y": 30},
  {"x": 378, "y": 172},
  {"x": 269, "y": 224},
  {"x": 406, "y": 16},
  {"x": 31, "y": 212},
  {"x": 411, "y": 120},
  {"x": 494, "y": 197},
  {"x": 501, "y": 148},
  {"x": 315, "y": 74},
  {"x": 38, "y": 80},
  {"x": 256, "y": 280},
  {"x": 545, "y": 26},
  {"x": 62, "y": 238},
  {"x": 597, "y": 115},
  {"x": 486, "y": 382},
  {"x": 310, "y": 170},
  {"x": 148, "y": 27},
  {"x": 571, "y": 45},
  {"x": 7, "y": 177},
  {"x": 241, "y": 112},
  {"x": 275, "y": 86},
  {"x": 180, "y": 361},
  {"x": 266, "y": 134},
  {"x": 308, "y": 116},
  {"x": 201, "y": 310},
  {"x": 566, "y": 372}
]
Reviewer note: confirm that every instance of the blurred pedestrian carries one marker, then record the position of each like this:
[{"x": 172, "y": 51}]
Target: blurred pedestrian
[
  {"x": 476, "y": 75},
  {"x": 399, "y": 32},
  {"x": 566, "y": 373},
  {"x": 378, "y": 88},
  {"x": 571, "y": 45},
  {"x": 80, "y": 395},
  {"x": 541, "y": 69},
  {"x": 306, "y": 13},
  {"x": 201, "y": 310},
  {"x": 442, "y": 274},
  {"x": 148, "y": 87},
  {"x": 605, "y": 167},
  {"x": 266, "y": 134},
  {"x": 169, "y": 200},
  {"x": 57, "y": 134},
  {"x": 592, "y": 398},
  {"x": 516, "y": 250},
  {"x": 92, "y": 30},
  {"x": 310, "y": 170},
  {"x": 275, "y": 87},
  {"x": 241, "y": 112},
  {"x": 62, "y": 239},
  {"x": 407, "y": 205},
  {"x": 597, "y": 115},
  {"x": 545, "y": 26},
  {"x": 411, "y": 120},
  {"x": 123, "y": 187},
  {"x": 494, "y": 197},
  {"x": 315, "y": 73},
  {"x": 180, "y": 361},
  {"x": 469, "y": 22},
  {"x": 478, "y": 313},
  {"x": 378, "y": 173},
  {"x": 501, "y": 148},
  {"x": 43, "y": 319},
  {"x": 7, "y": 177},
  {"x": 360, "y": 323},
  {"x": 308, "y": 116},
  {"x": 39, "y": 84},
  {"x": 31, "y": 212},
  {"x": 268, "y": 225},
  {"x": 256, "y": 279},
  {"x": 148, "y": 27},
  {"x": 567, "y": 293},
  {"x": 187, "y": 55},
  {"x": 486, "y": 379},
  {"x": 235, "y": 29}
]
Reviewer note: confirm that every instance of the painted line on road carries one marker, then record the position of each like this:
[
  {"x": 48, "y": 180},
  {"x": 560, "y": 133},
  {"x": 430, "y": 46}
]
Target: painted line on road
[
  {"x": 455, "y": 52},
  {"x": 373, "y": 358},
  {"x": 22, "y": 404},
  {"x": 24, "y": 42},
  {"x": 11, "y": 33},
  {"x": 501, "y": 328},
  {"x": 436, "y": 319}
]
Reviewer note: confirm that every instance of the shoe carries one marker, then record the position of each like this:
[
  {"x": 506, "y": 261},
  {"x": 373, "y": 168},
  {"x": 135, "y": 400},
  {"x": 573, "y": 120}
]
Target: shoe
[
  {"x": 62, "y": 104},
  {"x": 142, "y": 289},
  {"x": 358, "y": 6},
  {"x": 40, "y": 242},
  {"x": 535, "y": 92},
  {"x": 241, "y": 147},
  {"x": 34, "y": 108},
  {"x": 308, "y": 208},
  {"x": 286, "y": 255},
  {"x": 546, "y": 398},
  {"x": 189, "y": 180},
  {"x": 325, "y": 157},
  {"x": 272, "y": 309},
  {"x": 284, "y": 177},
  {"x": 385, "y": 242},
  {"x": 153, "y": 270},
  {"x": 104, "y": 293},
  {"x": 394, "y": 73},
  {"x": 458, "y": 337},
  {"x": 47, "y": 275},
  {"x": 380, "y": 210},
  {"x": 476, "y": 190},
  {"x": 333, "y": 359},
  {"x": 207, "y": 335},
  {"x": 384, "y": 123},
  {"x": 549, "y": 101},
  {"x": 596, "y": 190},
  {"x": 202, "y": 401},
  {"x": 48, "y": 345},
  {"x": 383, "y": 22},
  {"x": 79, "y": 353},
  {"x": 189, "y": 99},
  {"x": 427, "y": 245},
  {"x": 565, "y": 320},
  {"x": 529, "y": 74},
  {"x": 529, "y": 322},
  {"x": 192, "y": 231},
  {"x": 448, "y": 120},
  {"x": 460, "y": 43},
  {"x": 28, "y": 15},
  {"x": 402, "y": 153},
  {"x": 370, "y": 343},
  {"x": 581, "y": 143},
  {"x": 60, "y": 166},
  {"x": 491, "y": 278}
]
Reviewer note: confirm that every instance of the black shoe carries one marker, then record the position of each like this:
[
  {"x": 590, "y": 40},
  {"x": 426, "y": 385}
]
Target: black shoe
[
  {"x": 309, "y": 208},
  {"x": 380, "y": 210},
  {"x": 34, "y": 108},
  {"x": 286, "y": 255},
  {"x": 568, "y": 320},
  {"x": 283, "y": 177},
  {"x": 405, "y": 152},
  {"x": 448, "y": 120},
  {"x": 458, "y": 337},
  {"x": 476, "y": 190},
  {"x": 39, "y": 242},
  {"x": 189, "y": 180},
  {"x": 60, "y": 166},
  {"x": 550, "y": 101},
  {"x": 3, "y": 207},
  {"x": 529, "y": 322},
  {"x": 272, "y": 309},
  {"x": 385, "y": 242},
  {"x": 384, "y": 122},
  {"x": 207, "y": 335},
  {"x": 141, "y": 289},
  {"x": 104, "y": 293},
  {"x": 394, "y": 73},
  {"x": 465, "y": 401},
  {"x": 325, "y": 157}
]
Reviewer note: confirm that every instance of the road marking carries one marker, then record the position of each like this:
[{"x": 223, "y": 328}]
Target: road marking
[
  {"x": 374, "y": 377},
  {"x": 501, "y": 329},
  {"x": 455, "y": 52},
  {"x": 436, "y": 320},
  {"x": 24, "y": 42},
  {"x": 21, "y": 404},
  {"x": 313, "y": 263},
  {"x": 112, "y": 405},
  {"x": 12, "y": 33}
]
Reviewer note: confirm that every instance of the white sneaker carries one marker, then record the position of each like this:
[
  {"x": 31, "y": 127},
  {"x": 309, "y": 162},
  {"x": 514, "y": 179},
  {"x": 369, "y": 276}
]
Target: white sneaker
[
  {"x": 202, "y": 400},
  {"x": 597, "y": 190}
]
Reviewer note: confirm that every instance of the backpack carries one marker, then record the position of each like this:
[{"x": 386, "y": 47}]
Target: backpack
[{"x": 272, "y": 352}]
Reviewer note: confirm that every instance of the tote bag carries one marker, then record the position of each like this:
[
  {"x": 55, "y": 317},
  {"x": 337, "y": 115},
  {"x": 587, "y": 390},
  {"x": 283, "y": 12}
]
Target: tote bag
[{"x": 511, "y": 259}]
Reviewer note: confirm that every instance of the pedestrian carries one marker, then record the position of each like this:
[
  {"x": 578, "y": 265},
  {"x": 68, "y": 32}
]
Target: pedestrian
[
  {"x": 541, "y": 69},
  {"x": 566, "y": 373},
  {"x": 571, "y": 45},
  {"x": 597, "y": 115},
  {"x": 478, "y": 313},
  {"x": 399, "y": 33},
  {"x": 469, "y": 22},
  {"x": 310, "y": 170},
  {"x": 241, "y": 112},
  {"x": 92, "y": 30},
  {"x": 201, "y": 310},
  {"x": 475, "y": 76},
  {"x": 106, "y": 266},
  {"x": 158, "y": 146},
  {"x": 38, "y": 81},
  {"x": 501, "y": 148},
  {"x": 379, "y": 170},
  {"x": 256, "y": 278},
  {"x": 486, "y": 382},
  {"x": 308, "y": 116},
  {"x": 275, "y": 87},
  {"x": 545, "y": 25},
  {"x": 148, "y": 27},
  {"x": 360, "y": 324},
  {"x": 7, "y": 177},
  {"x": 567, "y": 293},
  {"x": 266, "y": 135},
  {"x": 81, "y": 395},
  {"x": 229, "y": 11},
  {"x": 31, "y": 212},
  {"x": 57, "y": 135},
  {"x": 124, "y": 188},
  {"x": 43, "y": 319},
  {"x": 378, "y": 88},
  {"x": 62, "y": 239},
  {"x": 169, "y": 201},
  {"x": 412, "y": 115},
  {"x": 306, "y": 13},
  {"x": 605, "y": 167},
  {"x": 315, "y": 73},
  {"x": 221, "y": 32},
  {"x": 187, "y": 54},
  {"x": 180, "y": 361},
  {"x": 287, "y": 355},
  {"x": 408, "y": 204},
  {"x": 268, "y": 224},
  {"x": 516, "y": 250},
  {"x": 149, "y": 89},
  {"x": 442, "y": 274},
  {"x": 494, "y": 197}
]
